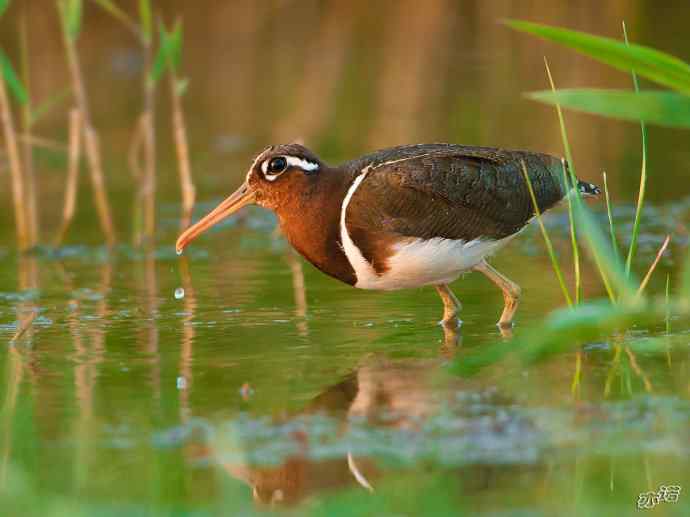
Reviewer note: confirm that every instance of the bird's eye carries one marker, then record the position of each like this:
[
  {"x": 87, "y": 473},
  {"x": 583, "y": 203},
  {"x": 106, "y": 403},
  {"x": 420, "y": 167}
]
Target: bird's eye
[{"x": 276, "y": 165}]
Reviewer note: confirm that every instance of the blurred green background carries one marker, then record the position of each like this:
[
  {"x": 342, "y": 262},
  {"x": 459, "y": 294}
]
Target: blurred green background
[
  {"x": 269, "y": 387},
  {"x": 346, "y": 77}
]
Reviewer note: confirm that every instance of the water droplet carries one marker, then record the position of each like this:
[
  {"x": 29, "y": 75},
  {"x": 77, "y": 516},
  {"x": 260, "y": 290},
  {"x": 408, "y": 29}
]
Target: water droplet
[
  {"x": 179, "y": 293},
  {"x": 181, "y": 383},
  {"x": 246, "y": 391}
]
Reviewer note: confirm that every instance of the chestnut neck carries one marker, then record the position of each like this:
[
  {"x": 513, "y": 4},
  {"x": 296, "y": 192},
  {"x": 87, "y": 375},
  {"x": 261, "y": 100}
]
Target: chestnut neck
[{"x": 310, "y": 219}]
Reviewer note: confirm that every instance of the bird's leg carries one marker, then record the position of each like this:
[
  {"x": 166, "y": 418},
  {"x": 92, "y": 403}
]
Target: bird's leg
[
  {"x": 511, "y": 292},
  {"x": 452, "y": 338},
  {"x": 451, "y": 305}
]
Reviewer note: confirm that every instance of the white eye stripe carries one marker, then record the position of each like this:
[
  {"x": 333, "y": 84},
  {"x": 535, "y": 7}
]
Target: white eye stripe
[
  {"x": 292, "y": 161},
  {"x": 305, "y": 165}
]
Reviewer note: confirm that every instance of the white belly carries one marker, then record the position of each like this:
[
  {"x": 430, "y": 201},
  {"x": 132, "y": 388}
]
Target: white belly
[{"x": 419, "y": 262}]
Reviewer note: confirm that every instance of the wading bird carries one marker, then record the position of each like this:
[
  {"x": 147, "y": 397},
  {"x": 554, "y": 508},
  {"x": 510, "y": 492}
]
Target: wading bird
[{"x": 402, "y": 217}]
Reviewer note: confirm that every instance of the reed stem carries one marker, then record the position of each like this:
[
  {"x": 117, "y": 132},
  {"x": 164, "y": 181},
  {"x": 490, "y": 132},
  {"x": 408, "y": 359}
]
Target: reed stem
[
  {"x": 17, "y": 177},
  {"x": 547, "y": 239},
  {"x": 75, "y": 124},
  {"x": 667, "y": 296},
  {"x": 182, "y": 150},
  {"x": 573, "y": 182},
  {"x": 133, "y": 158},
  {"x": 643, "y": 178},
  {"x": 573, "y": 237},
  {"x": 609, "y": 212},
  {"x": 91, "y": 143},
  {"x": 148, "y": 184},
  {"x": 32, "y": 220},
  {"x": 646, "y": 278},
  {"x": 23, "y": 325}
]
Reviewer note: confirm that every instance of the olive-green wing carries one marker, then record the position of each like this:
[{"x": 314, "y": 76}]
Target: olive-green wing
[{"x": 454, "y": 193}]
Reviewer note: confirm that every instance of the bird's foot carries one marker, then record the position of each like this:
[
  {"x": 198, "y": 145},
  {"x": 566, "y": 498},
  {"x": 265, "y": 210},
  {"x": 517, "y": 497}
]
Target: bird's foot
[
  {"x": 451, "y": 322},
  {"x": 505, "y": 328},
  {"x": 452, "y": 338}
]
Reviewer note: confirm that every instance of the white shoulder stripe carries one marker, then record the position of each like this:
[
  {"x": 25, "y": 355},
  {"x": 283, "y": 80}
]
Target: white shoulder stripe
[{"x": 360, "y": 265}]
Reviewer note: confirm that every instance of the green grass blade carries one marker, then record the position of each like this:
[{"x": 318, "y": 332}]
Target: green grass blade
[
  {"x": 160, "y": 62},
  {"x": 654, "y": 107},
  {"x": 4, "y": 4},
  {"x": 70, "y": 17},
  {"x": 48, "y": 104},
  {"x": 73, "y": 18},
  {"x": 648, "y": 62},
  {"x": 12, "y": 79},
  {"x": 175, "y": 42},
  {"x": 169, "y": 53},
  {"x": 573, "y": 181},
  {"x": 655, "y": 263},
  {"x": 547, "y": 239},
  {"x": 617, "y": 283},
  {"x": 181, "y": 86},
  {"x": 667, "y": 305},
  {"x": 564, "y": 133},
  {"x": 609, "y": 213},
  {"x": 643, "y": 172},
  {"x": 562, "y": 331},
  {"x": 610, "y": 268},
  {"x": 573, "y": 239},
  {"x": 685, "y": 279},
  {"x": 145, "y": 19},
  {"x": 111, "y": 8}
]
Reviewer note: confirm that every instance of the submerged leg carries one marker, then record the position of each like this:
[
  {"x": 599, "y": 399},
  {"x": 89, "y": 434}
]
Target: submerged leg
[
  {"x": 511, "y": 292},
  {"x": 451, "y": 305}
]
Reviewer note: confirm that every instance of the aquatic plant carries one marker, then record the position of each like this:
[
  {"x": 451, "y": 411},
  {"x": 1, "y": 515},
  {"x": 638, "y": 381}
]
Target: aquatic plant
[
  {"x": 166, "y": 59},
  {"x": 628, "y": 303},
  {"x": 11, "y": 81},
  {"x": 70, "y": 12},
  {"x": 169, "y": 57}
]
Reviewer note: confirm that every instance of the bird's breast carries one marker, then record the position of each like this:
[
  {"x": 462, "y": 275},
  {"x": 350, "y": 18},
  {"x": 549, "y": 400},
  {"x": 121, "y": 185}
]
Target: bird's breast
[{"x": 314, "y": 233}]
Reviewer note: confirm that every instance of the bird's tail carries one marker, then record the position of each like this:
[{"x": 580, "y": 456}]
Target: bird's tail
[
  {"x": 584, "y": 188},
  {"x": 588, "y": 189}
]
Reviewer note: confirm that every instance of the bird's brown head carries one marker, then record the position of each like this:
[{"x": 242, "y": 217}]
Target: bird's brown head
[{"x": 278, "y": 175}]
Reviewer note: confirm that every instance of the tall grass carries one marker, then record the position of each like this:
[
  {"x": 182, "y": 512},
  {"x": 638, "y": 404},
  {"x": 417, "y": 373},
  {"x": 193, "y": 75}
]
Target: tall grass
[
  {"x": 83, "y": 134},
  {"x": 9, "y": 80},
  {"x": 609, "y": 214},
  {"x": 26, "y": 116},
  {"x": 147, "y": 191},
  {"x": 72, "y": 183},
  {"x": 547, "y": 239},
  {"x": 628, "y": 302},
  {"x": 70, "y": 12},
  {"x": 170, "y": 56},
  {"x": 167, "y": 60},
  {"x": 643, "y": 176},
  {"x": 142, "y": 153},
  {"x": 653, "y": 64}
]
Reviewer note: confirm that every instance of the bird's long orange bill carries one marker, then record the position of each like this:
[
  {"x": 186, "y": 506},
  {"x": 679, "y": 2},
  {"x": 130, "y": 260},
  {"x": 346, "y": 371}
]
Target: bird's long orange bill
[{"x": 243, "y": 196}]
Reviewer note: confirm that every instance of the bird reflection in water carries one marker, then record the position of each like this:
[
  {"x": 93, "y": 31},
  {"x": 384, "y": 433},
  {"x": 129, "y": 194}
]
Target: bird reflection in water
[{"x": 400, "y": 395}]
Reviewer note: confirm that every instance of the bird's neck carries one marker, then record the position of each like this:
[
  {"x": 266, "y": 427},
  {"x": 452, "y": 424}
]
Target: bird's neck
[{"x": 311, "y": 222}]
